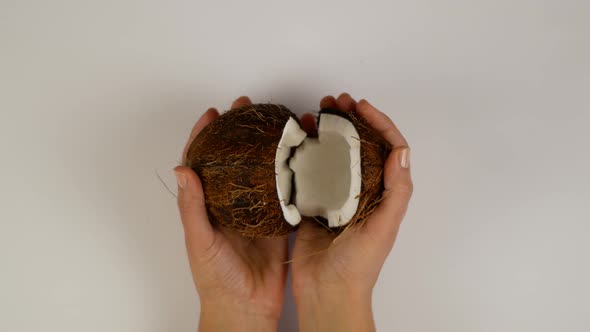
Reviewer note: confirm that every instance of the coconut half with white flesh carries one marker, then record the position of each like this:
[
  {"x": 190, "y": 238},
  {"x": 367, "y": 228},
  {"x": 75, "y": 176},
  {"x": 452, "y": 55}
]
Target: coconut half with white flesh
[{"x": 262, "y": 174}]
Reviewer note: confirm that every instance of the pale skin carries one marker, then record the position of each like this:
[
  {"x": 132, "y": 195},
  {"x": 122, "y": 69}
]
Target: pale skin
[{"x": 241, "y": 281}]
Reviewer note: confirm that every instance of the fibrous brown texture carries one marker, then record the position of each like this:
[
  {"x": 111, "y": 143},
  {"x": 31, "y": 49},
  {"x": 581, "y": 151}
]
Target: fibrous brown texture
[
  {"x": 234, "y": 157},
  {"x": 374, "y": 152}
]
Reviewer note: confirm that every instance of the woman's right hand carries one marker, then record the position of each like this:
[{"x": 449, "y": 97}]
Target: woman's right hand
[
  {"x": 334, "y": 275},
  {"x": 240, "y": 280}
]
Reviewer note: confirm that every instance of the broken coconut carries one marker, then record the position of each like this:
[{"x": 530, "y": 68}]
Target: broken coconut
[{"x": 262, "y": 174}]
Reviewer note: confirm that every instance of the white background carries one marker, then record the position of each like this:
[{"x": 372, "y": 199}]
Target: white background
[{"x": 493, "y": 97}]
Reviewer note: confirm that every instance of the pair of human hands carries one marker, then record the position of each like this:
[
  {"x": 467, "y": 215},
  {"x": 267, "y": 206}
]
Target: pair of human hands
[{"x": 241, "y": 280}]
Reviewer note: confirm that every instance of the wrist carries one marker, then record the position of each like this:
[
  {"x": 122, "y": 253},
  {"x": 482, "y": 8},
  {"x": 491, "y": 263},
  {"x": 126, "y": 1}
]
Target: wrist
[
  {"x": 216, "y": 316},
  {"x": 335, "y": 310}
]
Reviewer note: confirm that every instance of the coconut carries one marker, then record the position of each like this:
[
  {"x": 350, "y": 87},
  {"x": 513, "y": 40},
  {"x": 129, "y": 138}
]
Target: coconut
[{"x": 262, "y": 174}]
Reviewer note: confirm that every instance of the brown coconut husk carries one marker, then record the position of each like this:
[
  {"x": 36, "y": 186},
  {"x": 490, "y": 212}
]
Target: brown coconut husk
[{"x": 234, "y": 157}]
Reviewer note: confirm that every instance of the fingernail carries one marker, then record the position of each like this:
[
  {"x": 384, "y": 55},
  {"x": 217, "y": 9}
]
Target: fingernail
[
  {"x": 404, "y": 158},
  {"x": 180, "y": 179}
]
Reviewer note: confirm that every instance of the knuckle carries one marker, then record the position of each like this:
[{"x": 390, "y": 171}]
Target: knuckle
[
  {"x": 390, "y": 134},
  {"x": 184, "y": 208},
  {"x": 210, "y": 253},
  {"x": 405, "y": 189}
]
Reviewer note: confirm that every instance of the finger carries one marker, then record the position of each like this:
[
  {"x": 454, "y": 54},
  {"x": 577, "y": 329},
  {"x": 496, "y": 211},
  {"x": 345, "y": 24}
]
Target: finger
[
  {"x": 203, "y": 121},
  {"x": 380, "y": 122},
  {"x": 328, "y": 102},
  {"x": 309, "y": 124},
  {"x": 345, "y": 103},
  {"x": 398, "y": 188},
  {"x": 198, "y": 231},
  {"x": 243, "y": 100}
]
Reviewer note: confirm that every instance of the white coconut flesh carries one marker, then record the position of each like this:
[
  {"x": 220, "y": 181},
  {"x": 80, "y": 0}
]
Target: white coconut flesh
[{"x": 322, "y": 177}]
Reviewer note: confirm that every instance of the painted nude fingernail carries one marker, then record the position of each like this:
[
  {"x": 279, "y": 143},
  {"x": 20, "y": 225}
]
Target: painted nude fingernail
[
  {"x": 404, "y": 158},
  {"x": 181, "y": 179}
]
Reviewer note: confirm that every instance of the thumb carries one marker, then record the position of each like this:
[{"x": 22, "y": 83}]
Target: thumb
[
  {"x": 398, "y": 188},
  {"x": 198, "y": 231}
]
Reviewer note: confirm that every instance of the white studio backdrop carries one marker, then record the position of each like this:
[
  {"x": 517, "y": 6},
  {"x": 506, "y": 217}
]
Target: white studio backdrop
[{"x": 493, "y": 97}]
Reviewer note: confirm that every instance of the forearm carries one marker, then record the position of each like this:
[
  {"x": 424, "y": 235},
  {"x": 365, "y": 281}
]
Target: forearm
[{"x": 335, "y": 311}]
